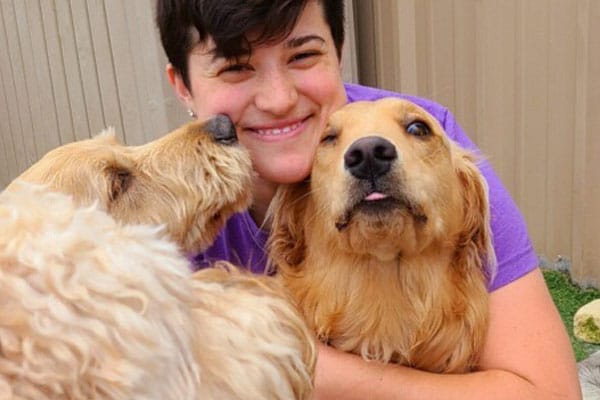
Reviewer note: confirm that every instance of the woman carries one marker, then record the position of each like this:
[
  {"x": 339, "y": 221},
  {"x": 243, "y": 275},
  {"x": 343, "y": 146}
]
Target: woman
[{"x": 274, "y": 68}]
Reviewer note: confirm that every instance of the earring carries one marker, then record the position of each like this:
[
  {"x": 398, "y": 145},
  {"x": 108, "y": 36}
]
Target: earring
[{"x": 191, "y": 113}]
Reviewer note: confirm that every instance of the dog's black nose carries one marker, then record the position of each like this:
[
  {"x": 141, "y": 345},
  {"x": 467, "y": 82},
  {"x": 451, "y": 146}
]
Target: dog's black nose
[
  {"x": 370, "y": 157},
  {"x": 222, "y": 129}
]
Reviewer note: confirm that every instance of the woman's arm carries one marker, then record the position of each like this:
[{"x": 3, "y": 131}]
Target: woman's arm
[{"x": 527, "y": 355}]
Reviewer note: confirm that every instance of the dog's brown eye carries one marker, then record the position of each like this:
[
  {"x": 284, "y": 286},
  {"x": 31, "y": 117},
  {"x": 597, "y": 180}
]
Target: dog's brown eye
[{"x": 418, "y": 128}]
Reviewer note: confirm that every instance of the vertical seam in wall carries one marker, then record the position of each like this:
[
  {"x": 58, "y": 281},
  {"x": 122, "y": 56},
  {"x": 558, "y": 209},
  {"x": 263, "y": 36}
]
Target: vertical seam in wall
[
  {"x": 136, "y": 83},
  {"x": 63, "y": 69},
  {"x": 12, "y": 72},
  {"x": 29, "y": 95},
  {"x": 454, "y": 58},
  {"x": 547, "y": 144},
  {"x": 354, "y": 27},
  {"x": 578, "y": 198},
  {"x": 518, "y": 105},
  {"x": 7, "y": 139},
  {"x": 114, "y": 69},
  {"x": 12, "y": 78},
  {"x": 81, "y": 77},
  {"x": 430, "y": 79},
  {"x": 95, "y": 64},
  {"x": 476, "y": 74},
  {"x": 47, "y": 57},
  {"x": 376, "y": 37}
]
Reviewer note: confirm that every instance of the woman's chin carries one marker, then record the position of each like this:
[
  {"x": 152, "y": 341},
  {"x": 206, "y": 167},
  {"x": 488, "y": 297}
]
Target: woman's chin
[{"x": 286, "y": 174}]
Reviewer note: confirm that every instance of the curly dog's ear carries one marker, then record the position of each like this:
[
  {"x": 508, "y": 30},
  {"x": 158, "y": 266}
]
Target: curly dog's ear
[
  {"x": 475, "y": 242},
  {"x": 287, "y": 244},
  {"x": 120, "y": 179}
]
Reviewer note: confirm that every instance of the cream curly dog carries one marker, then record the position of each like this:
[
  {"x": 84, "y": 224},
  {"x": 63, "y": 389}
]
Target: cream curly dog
[
  {"x": 96, "y": 301},
  {"x": 386, "y": 248}
]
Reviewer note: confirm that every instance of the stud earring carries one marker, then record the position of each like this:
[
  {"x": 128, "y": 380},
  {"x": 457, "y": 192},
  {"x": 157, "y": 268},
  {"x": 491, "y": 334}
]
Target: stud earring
[{"x": 191, "y": 113}]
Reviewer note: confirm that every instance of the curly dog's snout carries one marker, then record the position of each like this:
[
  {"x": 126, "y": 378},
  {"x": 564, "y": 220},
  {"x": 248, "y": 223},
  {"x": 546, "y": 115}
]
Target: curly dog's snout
[
  {"x": 222, "y": 129},
  {"x": 370, "y": 157}
]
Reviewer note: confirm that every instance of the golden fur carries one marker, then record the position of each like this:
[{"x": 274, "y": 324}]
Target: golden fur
[
  {"x": 96, "y": 301},
  {"x": 401, "y": 278},
  {"x": 184, "y": 180}
]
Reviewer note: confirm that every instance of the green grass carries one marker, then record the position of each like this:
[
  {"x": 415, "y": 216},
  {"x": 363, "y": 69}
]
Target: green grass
[{"x": 568, "y": 297}]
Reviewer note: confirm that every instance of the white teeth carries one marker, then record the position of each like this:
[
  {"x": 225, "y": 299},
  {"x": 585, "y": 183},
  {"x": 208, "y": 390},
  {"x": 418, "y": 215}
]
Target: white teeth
[{"x": 278, "y": 131}]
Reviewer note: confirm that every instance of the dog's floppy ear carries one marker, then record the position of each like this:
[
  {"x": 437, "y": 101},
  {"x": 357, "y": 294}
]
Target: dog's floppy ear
[
  {"x": 475, "y": 241},
  {"x": 287, "y": 243},
  {"x": 119, "y": 179}
]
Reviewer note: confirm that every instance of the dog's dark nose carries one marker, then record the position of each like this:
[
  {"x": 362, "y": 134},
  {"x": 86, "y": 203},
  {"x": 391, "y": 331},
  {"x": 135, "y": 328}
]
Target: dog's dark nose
[
  {"x": 370, "y": 157},
  {"x": 222, "y": 129}
]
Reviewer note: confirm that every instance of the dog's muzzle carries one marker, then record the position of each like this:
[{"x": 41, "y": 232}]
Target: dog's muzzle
[
  {"x": 222, "y": 129},
  {"x": 376, "y": 191}
]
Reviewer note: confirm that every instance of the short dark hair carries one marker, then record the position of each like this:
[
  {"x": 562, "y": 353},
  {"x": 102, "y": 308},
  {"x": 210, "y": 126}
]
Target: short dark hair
[{"x": 227, "y": 22}]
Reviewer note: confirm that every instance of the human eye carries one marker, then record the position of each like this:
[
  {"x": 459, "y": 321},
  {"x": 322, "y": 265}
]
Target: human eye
[
  {"x": 235, "y": 71},
  {"x": 234, "y": 68},
  {"x": 305, "y": 57}
]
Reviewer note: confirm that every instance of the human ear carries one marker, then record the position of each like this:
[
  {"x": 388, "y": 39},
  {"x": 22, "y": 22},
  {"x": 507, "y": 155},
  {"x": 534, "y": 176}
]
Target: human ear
[{"x": 181, "y": 90}]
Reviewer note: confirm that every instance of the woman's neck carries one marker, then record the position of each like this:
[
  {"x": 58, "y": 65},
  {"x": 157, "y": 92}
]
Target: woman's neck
[{"x": 262, "y": 196}]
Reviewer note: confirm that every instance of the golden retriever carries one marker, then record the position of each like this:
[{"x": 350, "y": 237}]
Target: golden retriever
[
  {"x": 96, "y": 301},
  {"x": 190, "y": 180},
  {"x": 386, "y": 249}
]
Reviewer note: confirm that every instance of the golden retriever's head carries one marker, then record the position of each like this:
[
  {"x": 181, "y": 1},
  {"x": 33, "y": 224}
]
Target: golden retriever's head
[
  {"x": 191, "y": 179},
  {"x": 386, "y": 182}
]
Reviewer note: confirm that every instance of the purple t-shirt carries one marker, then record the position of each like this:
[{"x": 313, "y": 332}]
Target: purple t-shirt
[{"x": 243, "y": 243}]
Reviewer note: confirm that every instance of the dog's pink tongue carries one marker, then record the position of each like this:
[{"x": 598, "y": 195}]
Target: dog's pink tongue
[{"x": 375, "y": 196}]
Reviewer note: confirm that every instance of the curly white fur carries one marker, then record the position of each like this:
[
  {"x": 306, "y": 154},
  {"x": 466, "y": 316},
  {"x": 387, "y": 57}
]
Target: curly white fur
[
  {"x": 81, "y": 317},
  {"x": 92, "y": 307}
]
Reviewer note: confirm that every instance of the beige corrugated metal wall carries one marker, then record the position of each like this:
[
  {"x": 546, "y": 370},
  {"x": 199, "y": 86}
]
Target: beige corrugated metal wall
[
  {"x": 70, "y": 68},
  {"x": 522, "y": 77}
]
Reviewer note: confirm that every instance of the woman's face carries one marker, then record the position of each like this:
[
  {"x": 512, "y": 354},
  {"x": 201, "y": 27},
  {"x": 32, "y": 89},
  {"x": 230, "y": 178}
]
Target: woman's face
[{"x": 279, "y": 97}]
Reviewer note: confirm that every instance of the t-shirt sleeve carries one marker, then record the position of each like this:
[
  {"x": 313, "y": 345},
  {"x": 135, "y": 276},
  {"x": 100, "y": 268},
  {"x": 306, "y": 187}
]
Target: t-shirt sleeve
[{"x": 514, "y": 251}]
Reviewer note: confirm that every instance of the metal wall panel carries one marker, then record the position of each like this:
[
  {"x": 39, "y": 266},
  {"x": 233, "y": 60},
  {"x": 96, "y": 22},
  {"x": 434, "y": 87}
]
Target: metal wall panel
[
  {"x": 522, "y": 78},
  {"x": 69, "y": 69}
]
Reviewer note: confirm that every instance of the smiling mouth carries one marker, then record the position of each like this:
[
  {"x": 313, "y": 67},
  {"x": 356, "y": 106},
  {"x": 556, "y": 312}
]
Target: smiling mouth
[{"x": 279, "y": 131}]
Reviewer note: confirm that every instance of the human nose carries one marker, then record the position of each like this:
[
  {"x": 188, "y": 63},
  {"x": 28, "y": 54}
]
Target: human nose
[{"x": 276, "y": 93}]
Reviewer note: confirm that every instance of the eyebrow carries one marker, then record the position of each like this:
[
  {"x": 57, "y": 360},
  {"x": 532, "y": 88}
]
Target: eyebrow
[
  {"x": 290, "y": 44},
  {"x": 216, "y": 56},
  {"x": 299, "y": 41}
]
